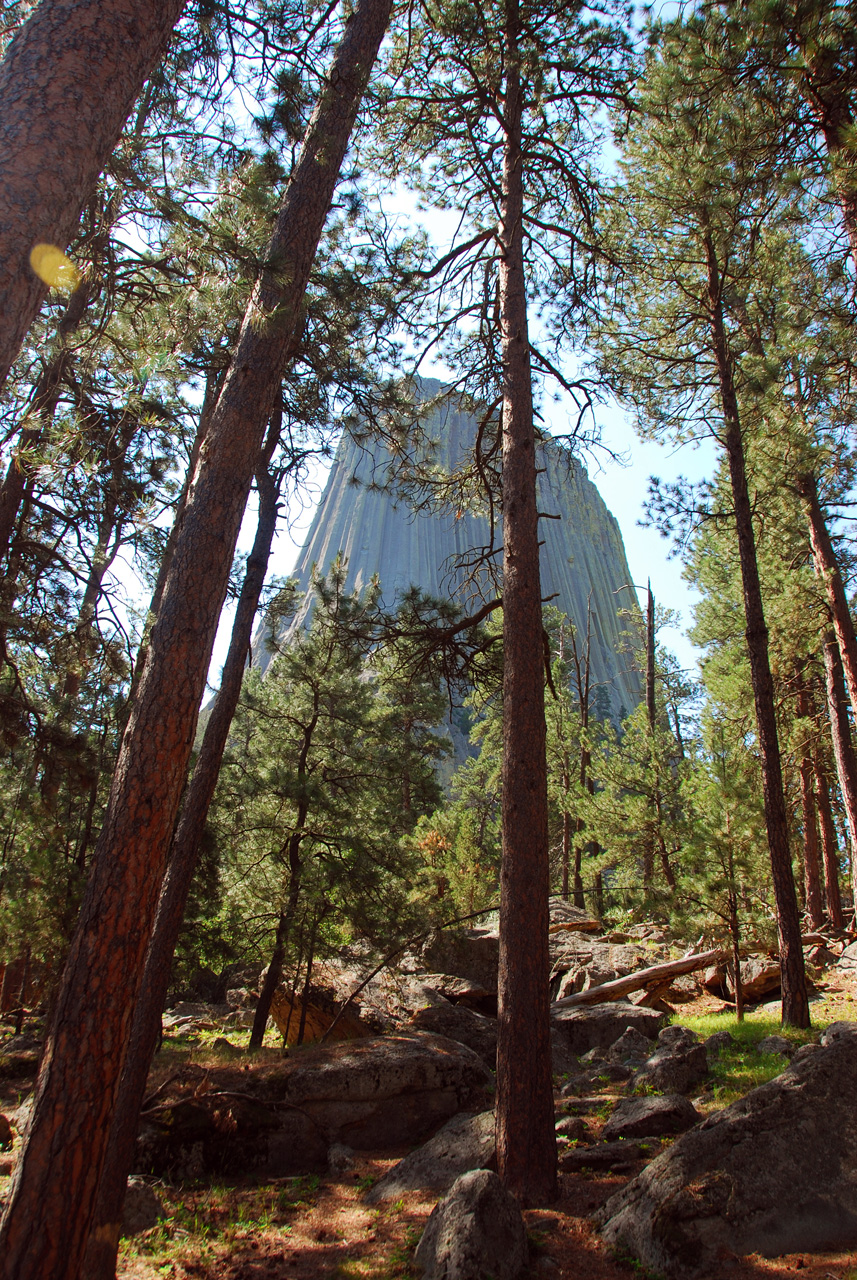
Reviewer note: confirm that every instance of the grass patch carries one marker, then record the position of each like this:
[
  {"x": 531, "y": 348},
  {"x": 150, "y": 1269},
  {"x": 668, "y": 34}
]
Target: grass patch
[
  {"x": 740, "y": 1067},
  {"x": 202, "y": 1220}
]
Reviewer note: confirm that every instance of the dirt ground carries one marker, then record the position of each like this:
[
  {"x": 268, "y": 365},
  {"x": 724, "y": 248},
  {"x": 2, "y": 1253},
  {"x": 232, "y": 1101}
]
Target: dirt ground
[
  {"x": 332, "y": 1233},
  {"x": 313, "y": 1228}
]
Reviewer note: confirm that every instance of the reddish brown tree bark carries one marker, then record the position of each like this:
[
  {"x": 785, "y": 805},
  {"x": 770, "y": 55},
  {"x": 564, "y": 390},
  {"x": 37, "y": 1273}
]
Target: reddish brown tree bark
[
  {"x": 829, "y": 846},
  {"x": 101, "y": 1252},
  {"x": 843, "y": 743},
  {"x": 827, "y": 569},
  {"x": 526, "y": 1139},
  {"x": 795, "y": 1000},
  {"x": 45, "y": 1228},
  {"x": 67, "y": 85},
  {"x": 811, "y": 859}
]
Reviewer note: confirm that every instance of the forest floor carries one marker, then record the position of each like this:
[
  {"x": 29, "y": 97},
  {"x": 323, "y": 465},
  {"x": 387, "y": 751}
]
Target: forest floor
[{"x": 315, "y": 1228}]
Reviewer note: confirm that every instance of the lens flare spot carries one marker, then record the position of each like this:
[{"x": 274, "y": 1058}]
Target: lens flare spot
[{"x": 51, "y": 265}]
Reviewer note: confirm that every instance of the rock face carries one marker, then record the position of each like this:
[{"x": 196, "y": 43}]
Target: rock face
[
  {"x": 457, "y": 1022},
  {"x": 673, "y": 1068},
  {"x": 142, "y": 1208},
  {"x": 473, "y": 954},
  {"x": 475, "y": 1233},
  {"x": 583, "y": 556},
  {"x": 378, "y": 1092},
  {"x": 597, "y": 1026},
  {"x": 650, "y": 1117},
  {"x": 774, "y": 1173},
  {"x": 463, "y": 1144}
]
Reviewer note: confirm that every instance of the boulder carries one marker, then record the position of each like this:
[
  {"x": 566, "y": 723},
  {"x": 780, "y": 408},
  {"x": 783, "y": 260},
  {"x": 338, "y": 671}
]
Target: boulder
[
  {"x": 282, "y": 1119},
  {"x": 627, "y": 957},
  {"x": 142, "y": 1209},
  {"x": 774, "y": 1173},
  {"x": 288, "y": 1009},
  {"x": 241, "y": 998},
  {"x": 632, "y": 1046},
  {"x": 673, "y": 1069},
  {"x": 211, "y": 1134},
  {"x": 457, "y": 1022},
  {"x": 676, "y": 1035},
  {"x": 602, "y": 1155},
  {"x": 475, "y": 1233},
  {"x": 760, "y": 976},
  {"x": 461, "y": 991},
  {"x": 848, "y": 959},
  {"x": 714, "y": 981},
  {"x": 776, "y": 1044},
  {"x": 837, "y": 1031},
  {"x": 465, "y": 953},
  {"x": 651, "y": 1117},
  {"x": 464, "y": 1143},
  {"x": 599, "y": 1075},
  {"x": 719, "y": 1041},
  {"x": 574, "y": 1129},
  {"x": 600, "y": 1025},
  {"x": 385, "y": 1090}
]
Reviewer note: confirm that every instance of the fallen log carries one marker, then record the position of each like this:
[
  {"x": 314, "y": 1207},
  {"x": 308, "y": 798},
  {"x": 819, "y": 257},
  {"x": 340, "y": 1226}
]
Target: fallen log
[{"x": 654, "y": 976}]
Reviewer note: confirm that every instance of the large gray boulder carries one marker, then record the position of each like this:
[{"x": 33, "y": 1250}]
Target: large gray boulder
[
  {"x": 385, "y": 1090},
  {"x": 465, "y": 953},
  {"x": 774, "y": 1173},
  {"x": 673, "y": 1068},
  {"x": 142, "y": 1208},
  {"x": 597, "y": 1026},
  {"x": 282, "y": 1119},
  {"x": 651, "y": 1117},
  {"x": 475, "y": 1233},
  {"x": 460, "y": 1023},
  {"x": 464, "y": 1143}
]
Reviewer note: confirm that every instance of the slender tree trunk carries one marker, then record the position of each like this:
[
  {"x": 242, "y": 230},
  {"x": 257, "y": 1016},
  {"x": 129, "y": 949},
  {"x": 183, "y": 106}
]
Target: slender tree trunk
[
  {"x": 46, "y": 1223},
  {"x": 795, "y": 1000},
  {"x": 829, "y": 846},
  {"x": 811, "y": 859},
  {"x": 41, "y": 413},
  {"x": 827, "y": 569},
  {"x": 212, "y": 389},
  {"x": 67, "y": 85},
  {"x": 274, "y": 971},
  {"x": 100, "y": 1263},
  {"x": 284, "y": 924},
  {"x": 736, "y": 957},
  {"x": 526, "y": 1140},
  {"x": 566, "y": 846},
  {"x": 308, "y": 982},
  {"x": 843, "y": 745}
]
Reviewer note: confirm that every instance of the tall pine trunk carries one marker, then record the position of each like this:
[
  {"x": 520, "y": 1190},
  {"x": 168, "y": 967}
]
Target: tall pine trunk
[
  {"x": 843, "y": 743},
  {"x": 827, "y": 569},
  {"x": 67, "y": 85},
  {"x": 795, "y": 1001},
  {"x": 829, "y": 846},
  {"x": 811, "y": 858},
  {"x": 46, "y": 1223},
  {"x": 100, "y": 1263},
  {"x": 526, "y": 1140}
]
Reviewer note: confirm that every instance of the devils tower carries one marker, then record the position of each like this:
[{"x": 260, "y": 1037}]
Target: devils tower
[{"x": 583, "y": 562}]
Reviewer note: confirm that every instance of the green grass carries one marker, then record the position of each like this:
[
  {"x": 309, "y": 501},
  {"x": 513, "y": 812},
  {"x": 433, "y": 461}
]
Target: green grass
[
  {"x": 740, "y": 1067},
  {"x": 219, "y": 1215}
]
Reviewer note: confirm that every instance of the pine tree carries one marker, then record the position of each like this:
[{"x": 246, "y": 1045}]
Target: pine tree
[{"x": 695, "y": 205}]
